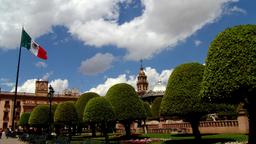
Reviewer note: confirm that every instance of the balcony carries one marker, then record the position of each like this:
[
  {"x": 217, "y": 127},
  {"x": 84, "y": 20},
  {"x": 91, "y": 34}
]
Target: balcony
[
  {"x": 6, "y": 109},
  {"x": 7, "y": 106},
  {"x": 18, "y": 109},
  {"x": 6, "y": 119}
]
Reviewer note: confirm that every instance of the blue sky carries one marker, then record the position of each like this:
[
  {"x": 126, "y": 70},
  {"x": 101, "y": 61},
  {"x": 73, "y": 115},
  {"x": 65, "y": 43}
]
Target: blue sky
[{"x": 92, "y": 45}]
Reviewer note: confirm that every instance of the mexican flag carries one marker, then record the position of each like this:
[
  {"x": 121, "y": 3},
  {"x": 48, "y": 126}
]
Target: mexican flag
[{"x": 32, "y": 46}]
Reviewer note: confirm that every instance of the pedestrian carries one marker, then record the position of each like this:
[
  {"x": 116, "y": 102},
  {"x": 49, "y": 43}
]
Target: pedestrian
[
  {"x": 7, "y": 132},
  {"x": 0, "y": 133}
]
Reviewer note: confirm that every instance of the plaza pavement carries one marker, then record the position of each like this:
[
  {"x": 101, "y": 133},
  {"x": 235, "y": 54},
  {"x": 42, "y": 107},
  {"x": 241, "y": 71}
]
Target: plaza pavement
[{"x": 4, "y": 140}]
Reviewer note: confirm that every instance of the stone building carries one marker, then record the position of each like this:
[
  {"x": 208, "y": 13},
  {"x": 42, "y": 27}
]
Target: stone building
[
  {"x": 27, "y": 101},
  {"x": 142, "y": 87}
]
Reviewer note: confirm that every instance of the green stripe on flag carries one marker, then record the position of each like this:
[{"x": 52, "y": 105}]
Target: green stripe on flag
[{"x": 25, "y": 40}]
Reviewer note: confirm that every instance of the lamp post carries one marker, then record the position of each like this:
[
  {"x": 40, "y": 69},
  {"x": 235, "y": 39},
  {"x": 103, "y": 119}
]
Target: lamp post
[{"x": 50, "y": 96}]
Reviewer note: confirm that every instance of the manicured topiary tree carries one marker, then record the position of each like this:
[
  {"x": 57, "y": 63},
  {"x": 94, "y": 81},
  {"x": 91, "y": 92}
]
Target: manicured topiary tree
[
  {"x": 80, "y": 106},
  {"x": 126, "y": 104},
  {"x": 230, "y": 73},
  {"x": 182, "y": 97},
  {"x": 148, "y": 114},
  {"x": 98, "y": 110},
  {"x": 66, "y": 115},
  {"x": 155, "y": 108},
  {"x": 147, "y": 109},
  {"x": 39, "y": 117},
  {"x": 24, "y": 120},
  {"x": 82, "y": 101}
]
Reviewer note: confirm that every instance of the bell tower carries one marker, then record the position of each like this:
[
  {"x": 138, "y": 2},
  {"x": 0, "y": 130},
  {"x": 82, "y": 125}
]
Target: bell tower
[
  {"x": 142, "y": 83},
  {"x": 41, "y": 88}
]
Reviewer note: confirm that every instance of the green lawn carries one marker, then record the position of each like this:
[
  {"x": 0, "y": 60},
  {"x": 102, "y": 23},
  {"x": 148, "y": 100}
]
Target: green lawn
[
  {"x": 209, "y": 139},
  {"x": 168, "y": 138}
]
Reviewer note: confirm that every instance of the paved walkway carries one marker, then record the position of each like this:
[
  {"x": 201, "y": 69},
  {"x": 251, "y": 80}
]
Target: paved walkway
[{"x": 10, "y": 141}]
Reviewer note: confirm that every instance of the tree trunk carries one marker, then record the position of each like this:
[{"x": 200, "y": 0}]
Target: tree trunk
[
  {"x": 69, "y": 133},
  {"x": 195, "y": 129},
  {"x": 127, "y": 126},
  {"x": 105, "y": 131},
  {"x": 252, "y": 119},
  {"x": 93, "y": 128},
  {"x": 145, "y": 127}
]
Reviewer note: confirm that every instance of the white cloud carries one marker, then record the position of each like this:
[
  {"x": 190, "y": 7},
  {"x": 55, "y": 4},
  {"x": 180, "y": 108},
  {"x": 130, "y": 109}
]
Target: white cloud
[
  {"x": 197, "y": 42},
  {"x": 96, "y": 64},
  {"x": 29, "y": 85},
  {"x": 163, "y": 23},
  {"x": 46, "y": 76},
  {"x": 153, "y": 77},
  {"x": 59, "y": 85},
  {"x": 235, "y": 9},
  {"x": 41, "y": 65}
]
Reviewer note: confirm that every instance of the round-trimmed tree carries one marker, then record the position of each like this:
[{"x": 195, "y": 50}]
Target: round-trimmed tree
[
  {"x": 24, "y": 120},
  {"x": 126, "y": 104},
  {"x": 66, "y": 115},
  {"x": 39, "y": 117},
  {"x": 99, "y": 110},
  {"x": 81, "y": 103},
  {"x": 80, "y": 106},
  {"x": 148, "y": 114},
  {"x": 230, "y": 73},
  {"x": 155, "y": 109},
  {"x": 182, "y": 97},
  {"x": 147, "y": 109}
]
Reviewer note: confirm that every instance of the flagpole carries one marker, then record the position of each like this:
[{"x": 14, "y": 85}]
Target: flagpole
[{"x": 16, "y": 87}]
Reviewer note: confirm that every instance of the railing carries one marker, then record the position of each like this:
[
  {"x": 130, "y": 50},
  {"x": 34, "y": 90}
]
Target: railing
[
  {"x": 6, "y": 119},
  {"x": 225, "y": 123},
  {"x": 6, "y": 105},
  {"x": 177, "y": 125},
  {"x": 152, "y": 126},
  {"x": 185, "y": 127},
  {"x": 6, "y": 109}
]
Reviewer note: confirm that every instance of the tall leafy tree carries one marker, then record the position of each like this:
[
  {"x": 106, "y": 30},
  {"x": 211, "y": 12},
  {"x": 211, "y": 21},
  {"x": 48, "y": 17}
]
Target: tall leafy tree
[
  {"x": 126, "y": 104},
  {"x": 66, "y": 115},
  {"x": 155, "y": 109},
  {"x": 99, "y": 110},
  {"x": 230, "y": 73},
  {"x": 39, "y": 117},
  {"x": 80, "y": 106},
  {"x": 24, "y": 120},
  {"x": 148, "y": 114},
  {"x": 82, "y": 101},
  {"x": 182, "y": 97}
]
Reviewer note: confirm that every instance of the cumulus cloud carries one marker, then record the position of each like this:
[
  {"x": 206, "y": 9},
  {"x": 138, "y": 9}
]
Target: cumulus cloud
[
  {"x": 46, "y": 76},
  {"x": 41, "y": 65},
  {"x": 235, "y": 9},
  {"x": 163, "y": 23},
  {"x": 59, "y": 85},
  {"x": 197, "y": 42},
  {"x": 29, "y": 85},
  {"x": 96, "y": 64},
  {"x": 153, "y": 77}
]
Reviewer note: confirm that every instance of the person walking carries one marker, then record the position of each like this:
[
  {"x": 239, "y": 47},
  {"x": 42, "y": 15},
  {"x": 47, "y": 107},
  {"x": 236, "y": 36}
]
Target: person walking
[
  {"x": 0, "y": 133},
  {"x": 7, "y": 132}
]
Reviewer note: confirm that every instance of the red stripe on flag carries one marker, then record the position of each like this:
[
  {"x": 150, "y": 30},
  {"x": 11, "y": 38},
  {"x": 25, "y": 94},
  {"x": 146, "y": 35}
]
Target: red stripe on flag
[{"x": 42, "y": 53}]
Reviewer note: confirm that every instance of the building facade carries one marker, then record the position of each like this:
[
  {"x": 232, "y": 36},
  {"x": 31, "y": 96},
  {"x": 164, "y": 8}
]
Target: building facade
[
  {"x": 27, "y": 101},
  {"x": 142, "y": 87}
]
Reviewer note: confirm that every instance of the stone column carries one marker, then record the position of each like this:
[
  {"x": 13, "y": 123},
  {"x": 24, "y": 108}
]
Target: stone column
[{"x": 243, "y": 124}]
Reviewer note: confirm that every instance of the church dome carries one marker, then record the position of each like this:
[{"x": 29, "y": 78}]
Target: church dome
[{"x": 159, "y": 87}]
